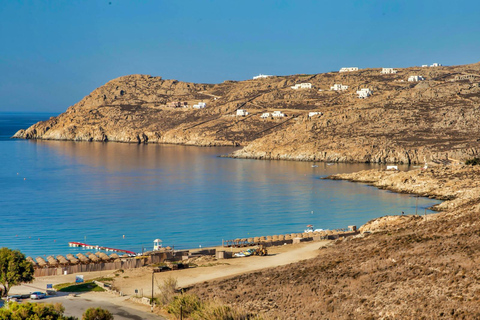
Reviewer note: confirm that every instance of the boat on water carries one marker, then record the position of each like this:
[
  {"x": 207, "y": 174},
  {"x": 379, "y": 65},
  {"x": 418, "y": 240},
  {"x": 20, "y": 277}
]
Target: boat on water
[
  {"x": 311, "y": 229},
  {"x": 314, "y": 166}
]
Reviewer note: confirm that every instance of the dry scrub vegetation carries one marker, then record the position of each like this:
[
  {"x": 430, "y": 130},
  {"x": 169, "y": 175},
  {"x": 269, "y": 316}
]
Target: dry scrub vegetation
[{"x": 416, "y": 268}]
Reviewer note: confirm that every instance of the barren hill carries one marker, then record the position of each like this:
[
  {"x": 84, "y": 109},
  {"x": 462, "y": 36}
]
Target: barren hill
[{"x": 407, "y": 122}]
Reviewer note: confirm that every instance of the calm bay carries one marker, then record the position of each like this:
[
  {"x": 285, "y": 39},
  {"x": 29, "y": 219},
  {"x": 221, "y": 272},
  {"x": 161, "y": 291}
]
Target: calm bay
[{"x": 126, "y": 195}]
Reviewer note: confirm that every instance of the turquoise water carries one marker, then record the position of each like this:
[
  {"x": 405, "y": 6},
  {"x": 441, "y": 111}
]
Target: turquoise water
[{"x": 126, "y": 195}]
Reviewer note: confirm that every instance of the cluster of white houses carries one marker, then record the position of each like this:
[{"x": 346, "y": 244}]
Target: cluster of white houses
[
  {"x": 364, "y": 93},
  {"x": 432, "y": 65},
  {"x": 183, "y": 104},
  {"x": 338, "y": 87},
  {"x": 306, "y": 85},
  {"x": 199, "y": 105},
  {"x": 242, "y": 113},
  {"x": 350, "y": 69},
  {"x": 274, "y": 114},
  {"x": 262, "y": 76},
  {"x": 415, "y": 78},
  {"x": 388, "y": 71}
]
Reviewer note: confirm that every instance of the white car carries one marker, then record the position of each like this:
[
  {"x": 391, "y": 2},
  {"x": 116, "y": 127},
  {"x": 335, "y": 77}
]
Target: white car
[{"x": 37, "y": 295}]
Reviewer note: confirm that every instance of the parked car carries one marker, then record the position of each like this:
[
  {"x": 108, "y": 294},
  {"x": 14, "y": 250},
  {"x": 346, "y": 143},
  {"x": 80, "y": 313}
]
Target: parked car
[{"x": 37, "y": 295}]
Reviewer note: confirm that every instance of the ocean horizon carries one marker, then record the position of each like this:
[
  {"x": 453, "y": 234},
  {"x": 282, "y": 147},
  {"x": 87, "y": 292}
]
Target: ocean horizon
[{"x": 124, "y": 196}]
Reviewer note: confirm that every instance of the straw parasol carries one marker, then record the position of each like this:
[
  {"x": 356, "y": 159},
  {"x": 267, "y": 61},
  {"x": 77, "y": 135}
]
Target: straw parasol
[
  {"x": 62, "y": 260},
  {"x": 41, "y": 262},
  {"x": 30, "y": 259},
  {"x": 102, "y": 255},
  {"x": 114, "y": 256},
  {"x": 93, "y": 258},
  {"x": 52, "y": 261},
  {"x": 83, "y": 258},
  {"x": 72, "y": 259}
]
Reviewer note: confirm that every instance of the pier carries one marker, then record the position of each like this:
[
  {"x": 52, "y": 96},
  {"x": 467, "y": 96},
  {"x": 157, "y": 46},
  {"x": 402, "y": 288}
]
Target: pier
[{"x": 89, "y": 246}]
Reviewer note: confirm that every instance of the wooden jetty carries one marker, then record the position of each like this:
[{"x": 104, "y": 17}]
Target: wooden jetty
[{"x": 89, "y": 246}]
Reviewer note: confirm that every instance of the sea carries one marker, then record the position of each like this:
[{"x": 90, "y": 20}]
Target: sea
[{"x": 125, "y": 196}]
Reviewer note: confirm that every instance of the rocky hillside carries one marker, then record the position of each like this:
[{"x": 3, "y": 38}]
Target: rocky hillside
[
  {"x": 399, "y": 267},
  {"x": 405, "y": 122}
]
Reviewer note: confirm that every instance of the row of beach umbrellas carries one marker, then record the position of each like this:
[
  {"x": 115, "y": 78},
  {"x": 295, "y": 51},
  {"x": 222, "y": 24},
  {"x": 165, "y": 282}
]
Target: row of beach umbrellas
[{"x": 70, "y": 259}]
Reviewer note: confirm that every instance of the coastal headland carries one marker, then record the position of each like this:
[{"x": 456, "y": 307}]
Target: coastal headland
[{"x": 315, "y": 117}]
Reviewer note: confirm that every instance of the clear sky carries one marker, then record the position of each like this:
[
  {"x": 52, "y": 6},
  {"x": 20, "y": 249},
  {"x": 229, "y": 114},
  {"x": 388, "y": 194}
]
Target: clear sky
[{"x": 53, "y": 53}]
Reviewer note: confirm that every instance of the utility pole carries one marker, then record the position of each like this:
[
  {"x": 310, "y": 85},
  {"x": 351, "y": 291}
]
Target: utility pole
[{"x": 151, "y": 301}]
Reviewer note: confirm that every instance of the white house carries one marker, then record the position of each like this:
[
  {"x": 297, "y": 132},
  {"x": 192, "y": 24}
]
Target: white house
[
  {"x": 424, "y": 65},
  {"x": 338, "y": 87},
  {"x": 261, "y": 76},
  {"x": 242, "y": 112},
  {"x": 278, "y": 114},
  {"x": 302, "y": 86},
  {"x": 364, "y": 93},
  {"x": 350, "y": 69},
  {"x": 199, "y": 105},
  {"x": 436, "y": 64},
  {"x": 265, "y": 115},
  {"x": 415, "y": 78},
  {"x": 388, "y": 71},
  {"x": 313, "y": 114}
]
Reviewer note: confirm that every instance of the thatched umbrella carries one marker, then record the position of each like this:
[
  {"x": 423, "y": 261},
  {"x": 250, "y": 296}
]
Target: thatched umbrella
[
  {"x": 281, "y": 237},
  {"x": 114, "y": 256},
  {"x": 52, "y": 261},
  {"x": 30, "y": 259},
  {"x": 62, "y": 260},
  {"x": 94, "y": 258},
  {"x": 41, "y": 262},
  {"x": 102, "y": 255},
  {"x": 124, "y": 256},
  {"x": 83, "y": 258},
  {"x": 72, "y": 259}
]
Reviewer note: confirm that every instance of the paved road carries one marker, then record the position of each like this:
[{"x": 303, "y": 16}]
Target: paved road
[{"x": 120, "y": 307}]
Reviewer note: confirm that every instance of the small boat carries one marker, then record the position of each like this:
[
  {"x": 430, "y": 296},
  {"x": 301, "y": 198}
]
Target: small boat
[
  {"x": 314, "y": 166},
  {"x": 329, "y": 164}
]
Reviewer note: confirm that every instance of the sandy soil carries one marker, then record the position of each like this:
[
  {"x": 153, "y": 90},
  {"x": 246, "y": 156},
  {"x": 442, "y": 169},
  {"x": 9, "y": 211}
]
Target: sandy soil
[{"x": 141, "y": 279}]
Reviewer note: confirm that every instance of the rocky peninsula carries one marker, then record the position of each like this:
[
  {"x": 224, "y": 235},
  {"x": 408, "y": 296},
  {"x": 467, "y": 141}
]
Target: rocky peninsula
[
  {"x": 434, "y": 120},
  {"x": 400, "y": 267}
]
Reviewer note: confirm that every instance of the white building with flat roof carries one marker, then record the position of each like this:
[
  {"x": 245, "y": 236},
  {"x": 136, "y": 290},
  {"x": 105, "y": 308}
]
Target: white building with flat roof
[
  {"x": 265, "y": 115},
  {"x": 278, "y": 114},
  {"x": 302, "y": 86},
  {"x": 388, "y": 71},
  {"x": 199, "y": 105},
  {"x": 350, "y": 69},
  {"x": 364, "y": 93},
  {"x": 262, "y": 76},
  {"x": 314, "y": 113},
  {"x": 242, "y": 112},
  {"x": 338, "y": 87},
  {"x": 436, "y": 64},
  {"x": 415, "y": 78}
]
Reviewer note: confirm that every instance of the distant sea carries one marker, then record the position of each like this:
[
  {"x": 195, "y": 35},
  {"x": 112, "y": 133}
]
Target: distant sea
[{"x": 126, "y": 195}]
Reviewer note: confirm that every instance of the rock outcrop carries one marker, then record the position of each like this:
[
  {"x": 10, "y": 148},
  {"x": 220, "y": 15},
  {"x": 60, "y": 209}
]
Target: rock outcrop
[{"x": 402, "y": 122}]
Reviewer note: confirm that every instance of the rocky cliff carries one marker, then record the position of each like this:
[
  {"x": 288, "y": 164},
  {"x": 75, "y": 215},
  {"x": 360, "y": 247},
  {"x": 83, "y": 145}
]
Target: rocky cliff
[{"x": 401, "y": 122}]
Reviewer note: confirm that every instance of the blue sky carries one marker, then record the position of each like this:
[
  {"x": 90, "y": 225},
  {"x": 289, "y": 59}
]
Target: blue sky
[{"x": 53, "y": 53}]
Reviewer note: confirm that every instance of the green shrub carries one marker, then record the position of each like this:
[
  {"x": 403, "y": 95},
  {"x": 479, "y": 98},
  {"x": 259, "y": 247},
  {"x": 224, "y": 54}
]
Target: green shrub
[
  {"x": 97, "y": 314},
  {"x": 30, "y": 310},
  {"x": 185, "y": 304},
  {"x": 167, "y": 291},
  {"x": 213, "y": 311}
]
